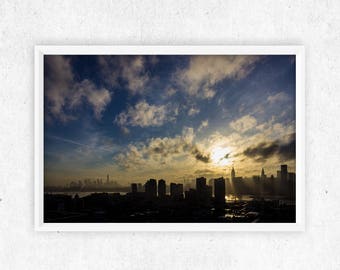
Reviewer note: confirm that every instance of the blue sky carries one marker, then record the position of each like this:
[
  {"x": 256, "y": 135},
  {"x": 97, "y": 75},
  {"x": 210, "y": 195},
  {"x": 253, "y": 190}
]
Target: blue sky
[{"x": 171, "y": 117}]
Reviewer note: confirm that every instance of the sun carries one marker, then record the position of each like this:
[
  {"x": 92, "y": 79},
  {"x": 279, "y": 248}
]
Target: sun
[{"x": 219, "y": 156}]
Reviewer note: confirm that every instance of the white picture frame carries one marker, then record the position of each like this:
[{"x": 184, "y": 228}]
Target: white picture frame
[{"x": 40, "y": 51}]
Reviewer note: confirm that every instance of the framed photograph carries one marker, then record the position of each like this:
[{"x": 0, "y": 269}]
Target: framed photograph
[{"x": 169, "y": 138}]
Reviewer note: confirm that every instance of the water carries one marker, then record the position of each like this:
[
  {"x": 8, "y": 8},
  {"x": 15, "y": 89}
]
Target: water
[
  {"x": 82, "y": 194},
  {"x": 229, "y": 197}
]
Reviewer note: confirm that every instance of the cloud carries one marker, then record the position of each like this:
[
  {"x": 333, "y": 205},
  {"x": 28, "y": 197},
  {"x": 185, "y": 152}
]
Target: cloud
[
  {"x": 178, "y": 145},
  {"x": 208, "y": 93},
  {"x": 134, "y": 73},
  {"x": 98, "y": 98},
  {"x": 58, "y": 82},
  {"x": 144, "y": 115},
  {"x": 279, "y": 97},
  {"x": 77, "y": 155},
  {"x": 64, "y": 94},
  {"x": 164, "y": 150},
  {"x": 193, "y": 111},
  {"x": 264, "y": 150},
  {"x": 205, "y": 172},
  {"x": 203, "y": 125},
  {"x": 171, "y": 91},
  {"x": 244, "y": 123},
  {"x": 200, "y": 156},
  {"x": 130, "y": 69},
  {"x": 125, "y": 130},
  {"x": 204, "y": 72}
]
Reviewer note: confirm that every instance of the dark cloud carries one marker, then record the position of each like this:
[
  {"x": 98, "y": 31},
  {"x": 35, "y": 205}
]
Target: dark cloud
[
  {"x": 265, "y": 150},
  {"x": 167, "y": 148},
  {"x": 200, "y": 156},
  {"x": 287, "y": 151}
]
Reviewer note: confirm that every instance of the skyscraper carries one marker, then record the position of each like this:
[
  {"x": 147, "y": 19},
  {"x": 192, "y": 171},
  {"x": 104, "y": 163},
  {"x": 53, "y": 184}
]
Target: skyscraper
[
  {"x": 180, "y": 191},
  {"x": 219, "y": 190},
  {"x": 232, "y": 174},
  {"x": 107, "y": 179},
  {"x": 202, "y": 191},
  {"x": 263, "y": 176},
  {"x": 278, "y": 175},
  {"x": 176, "y": 191},
  {"x": 201, "y": 182},
  {"x": 161, "y": 188},
  {"x": 151, "y": 188}
]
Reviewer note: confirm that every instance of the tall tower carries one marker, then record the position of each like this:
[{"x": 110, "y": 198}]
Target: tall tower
[
  {"x": 219, "y": 189},
  {"x": 263, "y": 176},
  {"x": 107, "y": 179},
  {"x": 151, "y": 188},
  {"x": 232, "y": 173},
  {"x": 161, "y": 188}
]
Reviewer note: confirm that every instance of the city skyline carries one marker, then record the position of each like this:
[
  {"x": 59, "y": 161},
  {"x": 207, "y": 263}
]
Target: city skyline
[
  {"x": 98, "y": 185},
  {"x": 171, "y": 117},
  {"x": 264, "y": 199}
]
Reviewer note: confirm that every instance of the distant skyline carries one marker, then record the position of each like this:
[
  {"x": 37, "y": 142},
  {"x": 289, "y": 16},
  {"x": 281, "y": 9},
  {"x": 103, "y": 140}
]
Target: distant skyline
[{"x": 170, "y": 117}]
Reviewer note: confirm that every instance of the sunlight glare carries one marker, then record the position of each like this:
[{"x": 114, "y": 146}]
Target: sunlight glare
[{"x": 219, "y": 156}]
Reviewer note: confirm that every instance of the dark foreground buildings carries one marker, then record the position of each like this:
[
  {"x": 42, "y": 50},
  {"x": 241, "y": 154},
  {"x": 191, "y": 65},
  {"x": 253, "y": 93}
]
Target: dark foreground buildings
[{"x": 267, "y": 199}]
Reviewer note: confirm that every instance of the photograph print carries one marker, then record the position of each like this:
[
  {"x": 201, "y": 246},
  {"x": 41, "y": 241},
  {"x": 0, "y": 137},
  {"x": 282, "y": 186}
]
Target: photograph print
[{"x": 166, "y": 138}]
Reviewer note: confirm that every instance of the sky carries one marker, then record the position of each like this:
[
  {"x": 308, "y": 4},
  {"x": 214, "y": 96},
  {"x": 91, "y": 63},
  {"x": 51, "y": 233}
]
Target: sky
[{"x": 175, "y": 117}]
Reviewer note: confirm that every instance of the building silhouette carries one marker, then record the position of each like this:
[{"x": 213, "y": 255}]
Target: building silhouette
[
  {"x": 203, "y": 191},
  {"x": 191, "y": 197},
  {"x": 205, "y": 203},
  {"x": 201, "y": 184},
  {"x": 176, "y": 191},
  {"x": 161, "y": 188},
  {"x": 134, "y": 188},
  {"x": 263, "y": 175},
  {"x": 219, "y": 191},
  {"x": 151, "y": 188},
  {"x": 232, "y": 174}
]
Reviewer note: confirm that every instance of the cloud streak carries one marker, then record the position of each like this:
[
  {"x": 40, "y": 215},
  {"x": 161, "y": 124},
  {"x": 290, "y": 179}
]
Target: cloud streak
[{"x": 265, "y": 150}]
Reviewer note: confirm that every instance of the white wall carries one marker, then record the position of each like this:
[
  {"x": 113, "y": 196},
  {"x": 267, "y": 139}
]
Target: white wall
[{"x": 315, "y": 24}]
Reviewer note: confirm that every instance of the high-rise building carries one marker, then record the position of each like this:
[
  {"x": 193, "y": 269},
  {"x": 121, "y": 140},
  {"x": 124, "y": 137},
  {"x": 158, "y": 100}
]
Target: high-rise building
[
  {"x": 284, "y": 172},
  {"x": 134, "y": 188},
  {"x": 180, "y": 190},
  {"x": 202, "y": 191},
  {"x": 232, "y": 174},
  {"x": 291, "y": 176},
  {"x": 219, "y": 189},
  {"x": 201, "y": 183},
  {"x": 161, "y": 188},
  {"x": 191, "y": 196},
  {"x": 278, "y": 175},
  {"x": 263, "y": 176},
  {"x": 172, "y": 189},
  {"x": 176, "y": 191},
  {"x": 107, "y": 179},
  {"x": 151, "y": 188}
]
